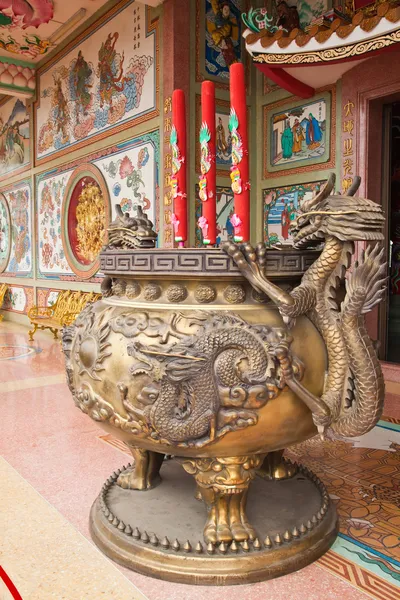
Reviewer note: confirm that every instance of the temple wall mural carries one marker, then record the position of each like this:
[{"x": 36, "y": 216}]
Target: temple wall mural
[
  {"x": 19, "y": 201},
  {"x": 19, "y": 299},
  {"x": 46, "y": 296},
  {"x": 309, "y": 10},
  {"x": 91, "y": 98},
  {"x": 51, "y": 259},
  {"x": 14, "y": 137},
  {"x": 219, "y": 42},
  {"x": 106, "y": 83},
  {"x": 130, "y": 173},
  {"x": 299, "y": 135},
  {"x": 5, "y": 233},
  {"x": 223, "y": 36},
  {"x": 109, "y": 82},
  {"x": 280, "y": 210}
]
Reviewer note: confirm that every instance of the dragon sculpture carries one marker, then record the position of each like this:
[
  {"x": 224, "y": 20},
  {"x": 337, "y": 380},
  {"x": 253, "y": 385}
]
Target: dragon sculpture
[
  {"x": 131, "y": 232},
  {"x": 354, "y": 389},
  {"x": 213, "y": 387}
]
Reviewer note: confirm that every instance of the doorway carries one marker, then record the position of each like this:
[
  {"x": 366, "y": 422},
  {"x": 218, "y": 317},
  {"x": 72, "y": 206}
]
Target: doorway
[{"x": 391, "y": 181}]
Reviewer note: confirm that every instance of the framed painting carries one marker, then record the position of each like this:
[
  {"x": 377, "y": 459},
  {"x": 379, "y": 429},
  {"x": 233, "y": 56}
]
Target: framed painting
[
  {"x": 132, "y": 175},
  {"x": 46, "y": 296},
  {"x": 5, "y": 233},
  {"x": 51, "y": 261},
  {"x": 224, "y": 213},
  {"x": 280, "y": 208},
  {"x": 14, "y": 137},
  {"x": 299, "y": 135},
  {"x": 19, "y": 200},
  {"x": 219, "y": 41},
  {"x": 106, "y": 79},
  {"x": 223, "y": 137},
  {"x": 19, "y": 299}
]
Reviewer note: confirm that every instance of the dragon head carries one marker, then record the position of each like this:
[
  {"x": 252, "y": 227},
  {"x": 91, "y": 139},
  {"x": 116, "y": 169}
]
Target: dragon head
[
  {"x": 343, "y": 217},
  {"x": 131, "y": 232}
]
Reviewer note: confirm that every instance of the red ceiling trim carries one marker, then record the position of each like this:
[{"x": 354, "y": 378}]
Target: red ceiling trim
[{"x": 286, "y": 81}]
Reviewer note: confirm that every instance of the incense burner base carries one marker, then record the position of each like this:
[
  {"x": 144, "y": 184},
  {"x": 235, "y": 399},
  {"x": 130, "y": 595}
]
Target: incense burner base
[{"x": 161, "y": 534}]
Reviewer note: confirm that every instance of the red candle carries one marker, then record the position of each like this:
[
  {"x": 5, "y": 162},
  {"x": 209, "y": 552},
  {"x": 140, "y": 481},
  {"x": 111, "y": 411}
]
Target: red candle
[
  {"x": 240, "y": 154},
  {"x": 178, "y": 181},
  {"x": 208, "y": 177}
]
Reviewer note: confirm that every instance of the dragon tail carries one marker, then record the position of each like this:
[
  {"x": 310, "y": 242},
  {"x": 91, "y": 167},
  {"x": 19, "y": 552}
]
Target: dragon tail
[{"x": 365, "y": 287}]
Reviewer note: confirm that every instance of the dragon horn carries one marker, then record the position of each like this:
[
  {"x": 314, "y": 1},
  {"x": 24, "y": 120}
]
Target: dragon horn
[
  {"x": 324, "y": 193},
  {"x": 354, "y": 186}
]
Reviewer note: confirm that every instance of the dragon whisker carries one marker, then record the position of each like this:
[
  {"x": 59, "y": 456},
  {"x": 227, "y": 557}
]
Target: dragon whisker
[{"x": 145, "y": 351}]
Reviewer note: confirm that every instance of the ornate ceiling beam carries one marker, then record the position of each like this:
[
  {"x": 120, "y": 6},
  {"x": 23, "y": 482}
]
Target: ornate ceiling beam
[
  {"x": 321, "y": 45},
  {"x": 286, "y": 81}
]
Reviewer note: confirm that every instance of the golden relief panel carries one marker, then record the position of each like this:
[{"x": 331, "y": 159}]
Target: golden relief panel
[
  {"x": 91, "y": 222},
  {"x": 85, "y": 217}
]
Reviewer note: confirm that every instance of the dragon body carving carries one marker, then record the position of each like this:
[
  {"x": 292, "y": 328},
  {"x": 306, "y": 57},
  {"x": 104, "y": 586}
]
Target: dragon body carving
[
  {"x": 192, "y": 378},
  {"x": 213, "y": 382},
  {"x": 353, "y": 396}
]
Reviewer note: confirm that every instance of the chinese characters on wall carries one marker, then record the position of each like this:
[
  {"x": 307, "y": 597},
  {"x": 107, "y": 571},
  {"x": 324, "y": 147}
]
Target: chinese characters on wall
[
  {"x": 347, "y": 145},
  {"x": 168, "y": 237}
]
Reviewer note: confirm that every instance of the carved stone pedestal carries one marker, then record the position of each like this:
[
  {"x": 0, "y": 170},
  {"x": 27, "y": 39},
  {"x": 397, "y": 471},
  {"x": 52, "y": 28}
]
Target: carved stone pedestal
[{"x": 161, "y": 533}]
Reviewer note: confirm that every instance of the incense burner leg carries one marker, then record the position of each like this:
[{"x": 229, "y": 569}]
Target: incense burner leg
[
  {"x": 145, "y": 472},
  {"x": 274, "y": 467},
  {"x": 223, "y": 484}
]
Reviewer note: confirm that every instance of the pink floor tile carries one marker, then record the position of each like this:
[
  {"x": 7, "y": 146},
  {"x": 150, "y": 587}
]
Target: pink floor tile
[
  {"x": 48, "y": 361},
  {"x": 57, "y": 449},
  {"x": 68, "y": 466}
]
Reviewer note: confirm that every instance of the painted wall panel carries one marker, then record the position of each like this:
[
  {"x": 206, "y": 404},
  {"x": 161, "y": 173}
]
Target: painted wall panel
[
  {"x": 131, "y": 171},
  {"x": 19, "y": 200},
  {"x": 108, "y": 80},
  {"x": 14, "y": 137},
  {"x": 18, "y": 299},
  {"x": 46, "y": 296}
]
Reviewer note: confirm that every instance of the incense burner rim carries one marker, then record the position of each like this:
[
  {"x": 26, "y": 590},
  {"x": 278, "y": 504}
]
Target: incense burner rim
[{"x": 199, "y": 262}]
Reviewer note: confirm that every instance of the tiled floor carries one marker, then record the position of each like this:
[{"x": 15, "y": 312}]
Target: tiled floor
[{"x": 54, "y": 453}]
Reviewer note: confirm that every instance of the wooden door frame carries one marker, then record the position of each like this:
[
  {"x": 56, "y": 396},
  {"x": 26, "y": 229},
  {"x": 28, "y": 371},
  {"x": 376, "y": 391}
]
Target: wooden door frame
[{"x": 383, "y": 311}]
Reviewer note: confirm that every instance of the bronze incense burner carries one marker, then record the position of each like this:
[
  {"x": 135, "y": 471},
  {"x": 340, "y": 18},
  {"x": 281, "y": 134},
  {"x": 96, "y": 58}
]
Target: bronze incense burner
[{"x": 220, "y": 359}]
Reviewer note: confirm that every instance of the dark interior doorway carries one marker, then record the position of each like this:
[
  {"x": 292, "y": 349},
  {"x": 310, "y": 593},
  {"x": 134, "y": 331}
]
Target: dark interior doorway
[{"x": 393, "y": 231}]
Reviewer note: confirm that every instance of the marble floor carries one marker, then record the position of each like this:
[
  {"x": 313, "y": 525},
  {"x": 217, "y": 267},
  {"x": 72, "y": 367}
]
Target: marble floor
[{"x": 54, "y": 461}]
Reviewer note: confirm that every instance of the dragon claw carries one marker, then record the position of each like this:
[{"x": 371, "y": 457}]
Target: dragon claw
[
  {"x": 249, "y": 253},
  {"x": 261, "y": 252}
]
